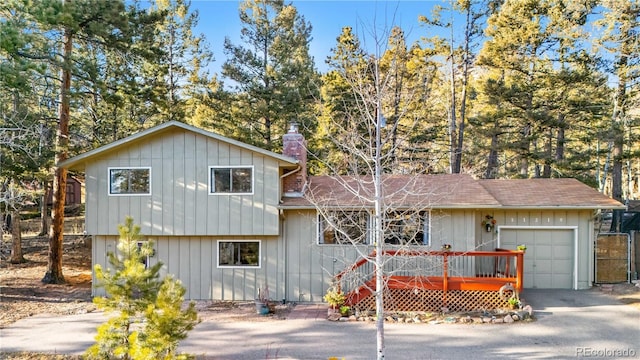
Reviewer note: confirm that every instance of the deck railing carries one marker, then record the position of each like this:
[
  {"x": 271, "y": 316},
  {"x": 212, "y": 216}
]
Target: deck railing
[{"x": 441, "y": 270}]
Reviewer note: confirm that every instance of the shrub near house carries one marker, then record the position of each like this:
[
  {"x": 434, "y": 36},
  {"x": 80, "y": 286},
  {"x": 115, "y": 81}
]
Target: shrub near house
[{"x": 137, "y": 296}]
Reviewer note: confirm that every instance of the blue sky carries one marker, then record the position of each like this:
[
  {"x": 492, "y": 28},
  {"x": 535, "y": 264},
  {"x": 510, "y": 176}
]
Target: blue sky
[{"x": 219, "y": 18}]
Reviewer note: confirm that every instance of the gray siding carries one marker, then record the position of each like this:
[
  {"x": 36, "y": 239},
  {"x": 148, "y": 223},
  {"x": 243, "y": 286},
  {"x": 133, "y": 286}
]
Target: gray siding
[
  {"x": 582, "y": 220},
  {"x": 455, "y": 227},
  {"x": 179, "y": 203},
  {"x": 297, "y": 269},
  {"x": 193, "y": 260},
  {"x": 310, "y": 267}
]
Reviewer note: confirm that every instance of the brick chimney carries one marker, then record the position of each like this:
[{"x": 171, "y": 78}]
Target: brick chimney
[{"x": 295, "y": 146}]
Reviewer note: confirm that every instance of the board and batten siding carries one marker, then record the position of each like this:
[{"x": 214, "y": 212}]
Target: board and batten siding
[
  {"x": 310, "y": 267},
  {"x": 580, "y": 221},
  {"x": 193, "y": 260},
  {"x": 454, "y": 227},
  {"x": 180, "y": 203}
]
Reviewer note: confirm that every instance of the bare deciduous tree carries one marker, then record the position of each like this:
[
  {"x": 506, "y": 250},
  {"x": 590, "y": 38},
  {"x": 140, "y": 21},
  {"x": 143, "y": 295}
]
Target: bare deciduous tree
[
  {"x": 15, "y": 136},
  {"x": 363, "y": 203}
]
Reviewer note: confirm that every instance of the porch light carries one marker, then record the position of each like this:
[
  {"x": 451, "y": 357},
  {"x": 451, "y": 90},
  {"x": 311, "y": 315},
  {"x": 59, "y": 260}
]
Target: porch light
[{"x": 488, "y": 223}]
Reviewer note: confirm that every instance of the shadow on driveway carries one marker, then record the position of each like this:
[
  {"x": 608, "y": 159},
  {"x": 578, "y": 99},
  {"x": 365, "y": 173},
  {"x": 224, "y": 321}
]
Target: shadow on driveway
[{"x": 568, "y": 324}]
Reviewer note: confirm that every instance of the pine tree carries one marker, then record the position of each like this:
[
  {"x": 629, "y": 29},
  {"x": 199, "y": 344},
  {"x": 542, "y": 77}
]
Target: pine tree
[
  {"x": 460, "y": 55},
  {"x": 621, "y": 25},
  {"x": 148, "y": 321},
  {"x": 50, "y": 36},
  {"x": 180, "y": 73},
  {"x": 534, "y": 59},
  {"x": 23, "y": 157},
  {"x": 273, "y": 75}
]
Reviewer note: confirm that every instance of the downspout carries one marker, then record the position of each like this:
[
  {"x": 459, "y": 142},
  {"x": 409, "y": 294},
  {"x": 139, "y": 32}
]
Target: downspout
[
  {"x": 284, "y": 240},
  {"x": 285, "y": 287},
  {"x": 291, "y": 172},
  {"x": 592, "y": 248}
]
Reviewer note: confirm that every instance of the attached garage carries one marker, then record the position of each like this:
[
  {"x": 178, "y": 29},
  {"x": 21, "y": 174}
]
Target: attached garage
[
  {"x": 555, "y": 220},
  {"x": 549, "y": 259}
]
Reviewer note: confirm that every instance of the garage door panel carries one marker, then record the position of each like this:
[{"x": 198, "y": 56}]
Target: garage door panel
[
  {"x": 543, "y": 251},
  {"x": 548, "y": 262},
  {"x": 528, "y": 266},
  {"x": 527, "y": 278},
  {"x": 562, "y": 253},
  {"x": 543, "y": 281},
  {"x": 543, "y": 238},
  {"x": 543, "y": 266}
]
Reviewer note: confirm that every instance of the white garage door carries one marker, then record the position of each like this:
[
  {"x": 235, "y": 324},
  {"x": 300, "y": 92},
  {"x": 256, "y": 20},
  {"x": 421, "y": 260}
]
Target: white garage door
[{"x": 548, "y": 262}]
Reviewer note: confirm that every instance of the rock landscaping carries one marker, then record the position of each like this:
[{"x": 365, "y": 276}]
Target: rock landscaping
[{"x": 496, "y": 316}]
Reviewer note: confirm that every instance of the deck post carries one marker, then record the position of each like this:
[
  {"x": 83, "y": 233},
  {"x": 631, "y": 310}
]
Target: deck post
[
  {"x": 519, "y": 270},
  {"x": 445, "y": 278}
]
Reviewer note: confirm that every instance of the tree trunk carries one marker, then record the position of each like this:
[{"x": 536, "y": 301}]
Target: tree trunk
[
  {"x": 616, "y": 182},
  {"x": 54, "y": 269},
  {"x": 457, "y": 165},
  {"x": 618, "y": 147},
  {"x": 16, "y": 239},
  {"x": 492, "y": 160},
  {"x": 560, "y": 140},
  {"x": 453, "y": 122},
  {"x": 525, "y": 151},
  {"x": 548, "y": 156},
  {"x": 44, "y": 216}
]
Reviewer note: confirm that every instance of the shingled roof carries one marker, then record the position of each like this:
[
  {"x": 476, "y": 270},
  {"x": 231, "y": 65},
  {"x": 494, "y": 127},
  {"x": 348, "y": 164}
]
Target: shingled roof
[
  {"x": 451, "y": 191},
  {"x": 547, "y": 193}
]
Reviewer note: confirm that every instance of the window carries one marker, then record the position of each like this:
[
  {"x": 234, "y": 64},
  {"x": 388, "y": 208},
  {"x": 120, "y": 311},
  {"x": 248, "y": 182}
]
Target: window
[
  {"x": 70, "y": 194},
  {"x": 344, "y": 227},
  {"x": 407, "y": 228},
  {"x": 237, "y": 253},
  {"x": 230, "y": 180},
  {"x": 130, "y": 181}
]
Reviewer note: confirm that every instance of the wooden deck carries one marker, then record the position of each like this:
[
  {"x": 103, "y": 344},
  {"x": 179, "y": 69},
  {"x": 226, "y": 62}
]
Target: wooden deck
[{"x": 481, "y": 283}]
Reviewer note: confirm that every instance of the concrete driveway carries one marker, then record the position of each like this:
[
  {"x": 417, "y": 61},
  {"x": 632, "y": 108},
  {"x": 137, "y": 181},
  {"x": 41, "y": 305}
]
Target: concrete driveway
[{"x": 569, "y": 324}]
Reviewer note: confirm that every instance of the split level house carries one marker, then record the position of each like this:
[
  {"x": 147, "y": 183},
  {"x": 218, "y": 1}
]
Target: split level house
[{"x": 229, "y": 219}]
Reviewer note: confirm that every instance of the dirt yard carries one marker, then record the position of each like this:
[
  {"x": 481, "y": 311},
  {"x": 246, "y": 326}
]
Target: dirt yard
[{"x": 22, "y": 293}]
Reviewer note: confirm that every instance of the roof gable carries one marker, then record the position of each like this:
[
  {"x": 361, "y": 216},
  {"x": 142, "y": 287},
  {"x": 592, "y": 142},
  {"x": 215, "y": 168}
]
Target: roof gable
[{"x": 168, "y": 127}]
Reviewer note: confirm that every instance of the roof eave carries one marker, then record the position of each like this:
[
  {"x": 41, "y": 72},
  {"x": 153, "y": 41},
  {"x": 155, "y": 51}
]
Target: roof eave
[
  {"x": 562, "y": 207},
  {"x": 78, "y": 162},
  {"x": 471, "y": 206}
]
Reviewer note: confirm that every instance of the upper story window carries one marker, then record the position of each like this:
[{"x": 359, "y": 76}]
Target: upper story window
[
  {"x": 344, "y": 227},
  {"x": 231, "y": 180},
  {"x": 408, "y": 228},
  {"x": 130, "y": 181}
]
